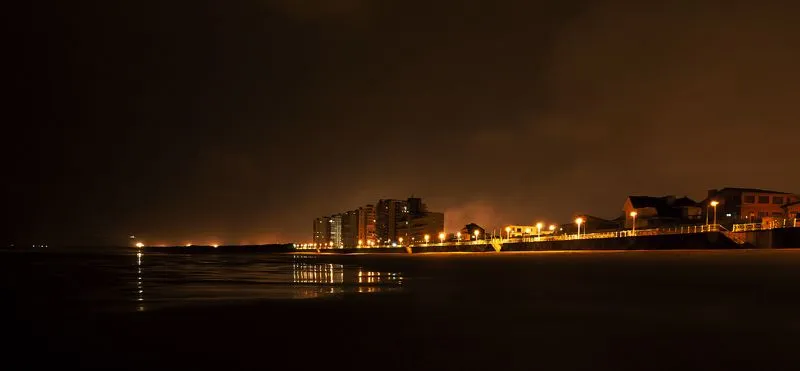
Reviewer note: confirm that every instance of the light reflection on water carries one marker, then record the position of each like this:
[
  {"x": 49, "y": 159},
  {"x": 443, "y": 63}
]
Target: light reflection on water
[{"x": 165, "y": 280}]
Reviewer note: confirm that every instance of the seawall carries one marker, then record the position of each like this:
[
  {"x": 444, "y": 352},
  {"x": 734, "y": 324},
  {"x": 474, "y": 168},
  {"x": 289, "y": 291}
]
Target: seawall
[
  {"x": 697, "y": 241},
  {"x": 780, "y": 238}
]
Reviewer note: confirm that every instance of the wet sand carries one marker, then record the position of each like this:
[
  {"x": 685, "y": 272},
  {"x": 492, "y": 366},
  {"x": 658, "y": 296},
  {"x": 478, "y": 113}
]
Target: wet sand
[{"x": 591, "y": 311}]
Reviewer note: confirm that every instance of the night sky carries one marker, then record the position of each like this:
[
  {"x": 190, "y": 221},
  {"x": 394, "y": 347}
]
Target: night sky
[{"x": 241, "y": 121}]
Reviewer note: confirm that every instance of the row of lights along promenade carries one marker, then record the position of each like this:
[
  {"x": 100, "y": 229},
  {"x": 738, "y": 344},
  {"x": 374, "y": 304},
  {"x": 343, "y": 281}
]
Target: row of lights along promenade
[{"x": 477, "y": 238}]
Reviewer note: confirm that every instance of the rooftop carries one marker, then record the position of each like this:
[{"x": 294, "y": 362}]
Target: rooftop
[{"x": 753, "y": 190}]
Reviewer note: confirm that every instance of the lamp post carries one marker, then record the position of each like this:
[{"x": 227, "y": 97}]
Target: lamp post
[
  {"x": 458, "y": 236},
  {"x": 552, "y": 229},
  {"x": 427, "y": 238},
  {"x": 579, "y": 221},
  {"x": 400, "y": 240},
  {"x": 508, "y": 233},
  {"x": 633, "y": 215},
  {"x": 441, "y": 237},
  {"x": 477, "y": 233},
  {"x": 714, "y": 205},
  {"x": 539, "y": 230}
]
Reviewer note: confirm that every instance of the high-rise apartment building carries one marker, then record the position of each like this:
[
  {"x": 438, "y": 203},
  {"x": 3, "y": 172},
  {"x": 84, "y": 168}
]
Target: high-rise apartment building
[
  {"x": 336, "y": 230},
  {"x": 388, "y": 214},
  {"x": 350, "y": 228},
  {"x": 322, "y": 230},
  {"x": 367, "y": 221},
  {"x": 379, "y": 224}
]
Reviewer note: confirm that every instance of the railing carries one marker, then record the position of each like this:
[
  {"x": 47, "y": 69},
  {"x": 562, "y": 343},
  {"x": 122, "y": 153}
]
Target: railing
[
  {"x": 747, "y": 227},
  {"x": 769, "y": 224}
]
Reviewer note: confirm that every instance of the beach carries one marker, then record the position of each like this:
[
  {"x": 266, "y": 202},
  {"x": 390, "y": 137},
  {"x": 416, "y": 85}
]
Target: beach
[{"x": 612, "y": 310}]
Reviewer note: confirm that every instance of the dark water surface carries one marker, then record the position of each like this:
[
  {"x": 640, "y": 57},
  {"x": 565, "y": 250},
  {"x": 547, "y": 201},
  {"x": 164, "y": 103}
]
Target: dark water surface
[{"x": 587, "y": 310}]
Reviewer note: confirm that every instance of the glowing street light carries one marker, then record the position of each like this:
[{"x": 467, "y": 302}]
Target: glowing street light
[
  {"x": 441, "y": 237},
  {"x": 458, "y": 235},
  {"x": 552, "y": 227},
  {"x": 633, "y": 215},
  {"x": 714, "y": 205},
  {"x": 579, "y": 221},
  {"x": 427, "y": 238},
  {"x": 539, "y": 229},
  {"x": 508, "y": 233},
  {"x": 139, "y": 245},
  {"x": 477, "y": 233},
  {"x": 400, "y": 240}
]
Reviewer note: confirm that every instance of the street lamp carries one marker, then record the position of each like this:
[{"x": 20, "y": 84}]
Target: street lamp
[
  {"x": 508, "y": 233},
  {"x": 633, "y": 215},
  {"x": 714, "y": 205},
  {"x": 441, "y": 237},
  {"x": 139, "y": 245},
  {"x": 360, "y": 242},
  {"x": 458, "y": 235},
  {"x": 477, "y": 232},
  {"x": 579, "y": 221},
  {"x": 400, "y": 240},
  {"x": 539, "y": 229},
  {"x": 427, "y": 238}
]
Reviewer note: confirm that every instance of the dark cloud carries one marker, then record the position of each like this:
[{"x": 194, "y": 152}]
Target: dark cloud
[{"x": 240, "y": 122}]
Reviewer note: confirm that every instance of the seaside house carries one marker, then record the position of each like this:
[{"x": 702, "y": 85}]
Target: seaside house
[
  {"x": 468, "y": 232},
  {"x": 654, "y": 212},
  {"x": 322, "y": 230},
  {"x": 750, "y": 205},
  {"x": 792, "y": 210}
]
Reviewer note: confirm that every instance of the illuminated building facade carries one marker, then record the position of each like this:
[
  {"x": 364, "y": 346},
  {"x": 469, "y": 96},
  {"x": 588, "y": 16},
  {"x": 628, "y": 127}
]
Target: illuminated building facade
[
  {"x": 336, "y": 230},
  {"x": 749, "y": 204},
  {"x": 367, "y": 221},
  {"x": 792, "y": 210}
]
